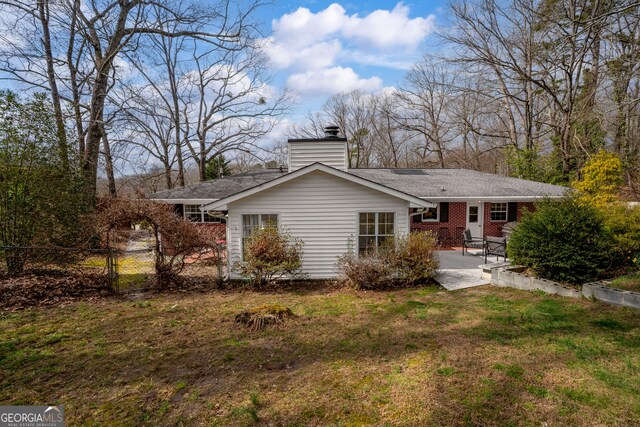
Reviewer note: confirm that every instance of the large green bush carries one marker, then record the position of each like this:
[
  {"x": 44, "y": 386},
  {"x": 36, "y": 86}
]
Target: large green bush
[
  {"x": 623, "y": 222},
  {"x": 562, "y": 240}
]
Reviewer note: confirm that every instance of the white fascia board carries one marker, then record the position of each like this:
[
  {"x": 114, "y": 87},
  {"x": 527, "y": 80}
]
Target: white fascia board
[
  {"x": 492, "y": 198},
  {"x": 418, "y": 202},
  {"x": 185, "y": 201}
]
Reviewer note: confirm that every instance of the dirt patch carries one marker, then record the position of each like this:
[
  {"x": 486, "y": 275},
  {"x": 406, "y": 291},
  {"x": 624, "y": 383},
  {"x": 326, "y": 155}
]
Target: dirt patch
[{"x": 50, "y": 288}]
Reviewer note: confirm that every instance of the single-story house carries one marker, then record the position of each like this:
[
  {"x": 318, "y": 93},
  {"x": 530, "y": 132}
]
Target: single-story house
[{"x": 330, "y": 206}]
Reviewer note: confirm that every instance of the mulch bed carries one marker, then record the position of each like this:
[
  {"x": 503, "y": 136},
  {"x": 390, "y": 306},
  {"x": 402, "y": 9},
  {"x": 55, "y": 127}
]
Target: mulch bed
[{"x": 40, "y": 288}]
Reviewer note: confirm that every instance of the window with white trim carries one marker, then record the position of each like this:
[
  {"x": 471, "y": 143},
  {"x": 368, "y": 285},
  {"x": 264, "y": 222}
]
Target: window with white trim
[
  {"x": 252, "y": 222},
  {"x": 498, "y": 211},
  {"x": 194, "y": 214},
  {"x": 430, "y": 214},
  {"x": 374, "y": 228}
]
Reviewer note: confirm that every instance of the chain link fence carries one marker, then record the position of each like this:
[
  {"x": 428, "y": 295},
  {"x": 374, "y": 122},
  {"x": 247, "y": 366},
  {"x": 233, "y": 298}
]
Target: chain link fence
[{"x": 131, "y": 262}]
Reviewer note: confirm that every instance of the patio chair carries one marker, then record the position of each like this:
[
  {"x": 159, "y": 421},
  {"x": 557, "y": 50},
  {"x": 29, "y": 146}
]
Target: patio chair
[
  {"x": 469, "y": 241},
  {"x": 444, "y": 238},
  {"x": 495, "y": 246},
  {"x": 458, "y": 236}
]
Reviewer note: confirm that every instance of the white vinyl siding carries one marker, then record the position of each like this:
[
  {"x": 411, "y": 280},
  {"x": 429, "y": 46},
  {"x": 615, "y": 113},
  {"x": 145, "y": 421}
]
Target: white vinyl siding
[
  {"x": 330, "y": 153},
  {"x": 321, "y": 209}
]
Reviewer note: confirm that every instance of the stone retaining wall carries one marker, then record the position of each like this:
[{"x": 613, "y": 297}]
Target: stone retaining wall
[{"x": 513, "y": 278}]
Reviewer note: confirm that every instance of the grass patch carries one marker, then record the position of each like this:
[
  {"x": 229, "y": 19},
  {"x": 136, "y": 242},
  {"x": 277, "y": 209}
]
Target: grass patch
[
  {"x": 489, "y": 356},
  {"x": 612, "y": 324},
  {"x": 446, "y": 371},
  {"x": 630, "y": 282}
]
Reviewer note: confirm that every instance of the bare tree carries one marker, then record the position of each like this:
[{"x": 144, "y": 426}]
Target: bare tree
[
  {"x": 99, "y": 32},
  {"x": 426, "y": 100},
  {"x": 229, "y": 104},
  {"x": 18, "y": 54},
  {"x": 390, "y": 139},
  {"x": 533, "y": 49}
]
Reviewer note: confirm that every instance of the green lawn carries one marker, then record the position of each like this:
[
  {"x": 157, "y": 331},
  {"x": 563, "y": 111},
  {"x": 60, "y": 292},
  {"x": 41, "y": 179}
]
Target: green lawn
[{"x": 484, "y": 356}]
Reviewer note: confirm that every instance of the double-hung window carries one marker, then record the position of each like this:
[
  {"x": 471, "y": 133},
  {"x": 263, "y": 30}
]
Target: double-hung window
[
  {"x": 498, "y": 211},
  {"x": 194, "y": 214},
  {"x": 252, "y": 222},
  {"x": 430, "y": 215},
  {"x": 374, "y": 228}
]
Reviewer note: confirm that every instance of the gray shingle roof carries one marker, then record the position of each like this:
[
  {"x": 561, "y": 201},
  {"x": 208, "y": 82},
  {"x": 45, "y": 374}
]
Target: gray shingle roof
[
  {"x": 459, "y": 183},
  {"x": 423, "y": 183},
  {"x": 219, "y": 188}
]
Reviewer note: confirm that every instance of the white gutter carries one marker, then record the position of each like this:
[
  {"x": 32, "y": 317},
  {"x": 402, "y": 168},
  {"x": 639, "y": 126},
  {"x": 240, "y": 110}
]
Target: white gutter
[{"x": 185, "y": 201}]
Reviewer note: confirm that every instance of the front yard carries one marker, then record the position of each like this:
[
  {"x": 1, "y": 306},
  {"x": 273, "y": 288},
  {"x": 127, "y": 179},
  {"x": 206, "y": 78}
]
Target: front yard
[{"x": 483, "y": 356}]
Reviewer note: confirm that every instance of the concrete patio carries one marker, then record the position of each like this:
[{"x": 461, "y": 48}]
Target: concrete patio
[{"x": 459, "y": 272}]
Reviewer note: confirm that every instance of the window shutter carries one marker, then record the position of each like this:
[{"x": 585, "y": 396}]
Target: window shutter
[
  {"x": 416, "y": 218},
  {"x": 444, "y": 211},
  {"x": 512, "y": 212},
  {"x": 179, "y": 210}
]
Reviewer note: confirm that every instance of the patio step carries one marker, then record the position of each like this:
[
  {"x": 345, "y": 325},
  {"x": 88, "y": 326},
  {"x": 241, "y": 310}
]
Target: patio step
[{"x": 486, "y": 268}]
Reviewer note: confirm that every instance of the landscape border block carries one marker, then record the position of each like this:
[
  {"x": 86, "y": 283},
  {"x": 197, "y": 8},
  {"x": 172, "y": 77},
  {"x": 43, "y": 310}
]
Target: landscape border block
[{"x": 512, "y": 277}]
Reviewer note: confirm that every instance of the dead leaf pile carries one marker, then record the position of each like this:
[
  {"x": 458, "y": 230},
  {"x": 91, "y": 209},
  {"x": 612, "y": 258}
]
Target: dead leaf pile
[{"x": 50, "y": 288}]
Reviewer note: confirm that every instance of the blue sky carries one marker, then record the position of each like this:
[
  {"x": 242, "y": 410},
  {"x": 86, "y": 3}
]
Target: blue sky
[{"x": 319, "y": 48}]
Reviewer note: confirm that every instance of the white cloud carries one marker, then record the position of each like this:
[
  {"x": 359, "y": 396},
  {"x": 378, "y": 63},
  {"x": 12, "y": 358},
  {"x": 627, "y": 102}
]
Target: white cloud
[
  {"x": 396, "y": 62},
  {"x": 321, "y": 47},
  {"x": 302, "y": 27},
  {"x": 386, "y": 29},
  {"x": 381, "y": 29},
  {"x": 317, "y": 55},
  {"x": 331, "y": 81}
]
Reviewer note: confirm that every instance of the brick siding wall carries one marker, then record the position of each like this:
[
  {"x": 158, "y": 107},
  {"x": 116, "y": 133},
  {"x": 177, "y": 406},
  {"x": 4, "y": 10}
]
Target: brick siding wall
[
  {"x": 528, "y": 205},
  {"x": 494, "y": 228},
  {"x": 491, "y": 228},
  {"x": 452, "y": 230}
]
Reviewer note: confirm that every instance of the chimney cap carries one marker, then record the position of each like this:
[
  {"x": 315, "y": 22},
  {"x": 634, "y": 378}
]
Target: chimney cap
[{"x": 331, "y": 132}]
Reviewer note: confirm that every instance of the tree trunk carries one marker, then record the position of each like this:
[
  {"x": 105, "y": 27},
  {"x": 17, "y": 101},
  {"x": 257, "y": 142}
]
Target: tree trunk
[
  {"x": 108, "y": 160},
  {"x": 202, "y": 160},
  {"x": 167, "y": 176},
  {"x": 94, "y": 132},
  {"x": 73, "y": 79},
  {"x": 63, "y": 151}
]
